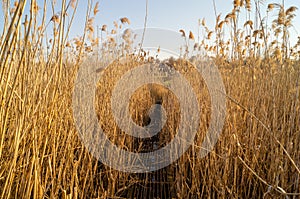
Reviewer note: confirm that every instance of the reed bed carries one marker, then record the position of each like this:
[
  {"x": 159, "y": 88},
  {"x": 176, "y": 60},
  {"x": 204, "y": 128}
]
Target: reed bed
[{"x": 256, "y": 156}]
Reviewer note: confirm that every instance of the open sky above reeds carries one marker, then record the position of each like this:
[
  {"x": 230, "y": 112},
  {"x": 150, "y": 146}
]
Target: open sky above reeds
[{"x": 169, "y": 14}]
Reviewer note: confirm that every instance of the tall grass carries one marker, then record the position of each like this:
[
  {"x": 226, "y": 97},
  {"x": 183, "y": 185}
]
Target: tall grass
[{"x": 41, "y": 155}]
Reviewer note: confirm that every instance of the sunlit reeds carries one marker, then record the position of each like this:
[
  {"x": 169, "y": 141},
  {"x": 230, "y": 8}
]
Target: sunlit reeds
[{"x": 41, "y": 155}]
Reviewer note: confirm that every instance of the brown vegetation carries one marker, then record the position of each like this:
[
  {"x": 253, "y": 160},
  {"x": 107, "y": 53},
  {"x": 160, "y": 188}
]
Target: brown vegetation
[{"x": 41, "y": 155}]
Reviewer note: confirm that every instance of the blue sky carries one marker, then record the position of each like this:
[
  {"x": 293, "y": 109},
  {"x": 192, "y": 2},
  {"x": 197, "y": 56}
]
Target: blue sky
[{"x": 169, "y": 14}]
